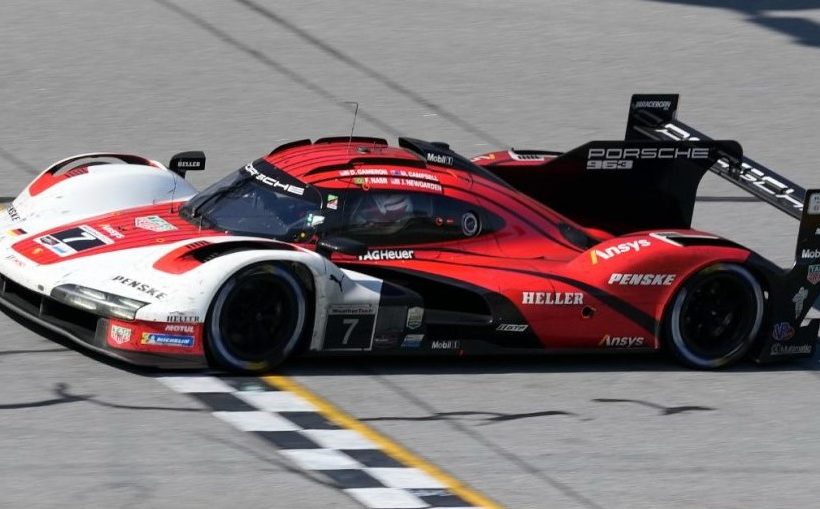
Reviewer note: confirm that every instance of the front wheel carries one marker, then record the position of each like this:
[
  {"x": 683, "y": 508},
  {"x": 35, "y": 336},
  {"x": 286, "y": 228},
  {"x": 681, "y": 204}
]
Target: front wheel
[
  {"x": 714, "y": 318},
  {"x": 256, "y": 319}
]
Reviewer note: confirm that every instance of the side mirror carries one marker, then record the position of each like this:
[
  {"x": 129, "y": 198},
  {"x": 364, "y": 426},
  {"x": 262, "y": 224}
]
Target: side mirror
[
  {"x": 329, "y": 245},
  {"x": 187, "y": 161}
]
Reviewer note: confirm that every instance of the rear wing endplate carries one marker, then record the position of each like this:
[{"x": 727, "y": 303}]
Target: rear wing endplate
[{"x": 653, "y": 117}]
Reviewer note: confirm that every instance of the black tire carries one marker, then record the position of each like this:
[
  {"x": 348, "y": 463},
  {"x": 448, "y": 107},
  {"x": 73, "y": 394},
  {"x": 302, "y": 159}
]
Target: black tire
[
  {"x": 256, "y": 319},
  {"x": 713, "y": 319}
]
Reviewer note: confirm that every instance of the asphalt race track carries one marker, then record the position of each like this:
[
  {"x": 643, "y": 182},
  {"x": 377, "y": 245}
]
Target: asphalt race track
[{"x": 237, "y": 77}]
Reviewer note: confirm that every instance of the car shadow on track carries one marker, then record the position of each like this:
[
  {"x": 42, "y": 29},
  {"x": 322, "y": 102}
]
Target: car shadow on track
[
  {"x": 802, "y": 30},
  {"x": 350, "y": 365}
]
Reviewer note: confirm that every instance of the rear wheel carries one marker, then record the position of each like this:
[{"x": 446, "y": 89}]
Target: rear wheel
[
  {"x": 256, "y": 319},
  {"x": 714, "y": 318}
]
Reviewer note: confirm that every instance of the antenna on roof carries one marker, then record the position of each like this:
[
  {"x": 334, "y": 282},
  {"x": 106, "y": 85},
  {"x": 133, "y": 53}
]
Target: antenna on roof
[{"x": 355, "y": 113}]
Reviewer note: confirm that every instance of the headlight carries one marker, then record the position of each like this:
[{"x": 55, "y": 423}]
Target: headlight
[{"x": 95, "y": 300}]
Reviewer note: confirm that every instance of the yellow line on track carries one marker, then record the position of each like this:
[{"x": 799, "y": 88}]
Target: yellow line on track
[{"x": 391, "y": 448}]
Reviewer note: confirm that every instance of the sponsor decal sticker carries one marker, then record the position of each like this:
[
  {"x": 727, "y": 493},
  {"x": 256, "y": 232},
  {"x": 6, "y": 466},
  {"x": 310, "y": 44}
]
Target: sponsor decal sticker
[
  {"x": 412, "y": 341},
  {"x": 641, "y": 279},
  {"x": 781, "y": 349},
  {"x": 13, "y": 259},
  {"x": 810, "y": 254},
  {"x": 180, "y": 327},
  {"x": 782, "y": 331},
  {"x": 388, "y": 254},
  {"x": 16, "y": 232},
  {"x": 415, "y": 316},
  {"x": 624, "y": 247},
  {"x": 119, "y": 334},
  {"x": 655, "y": 105},
  {"x": 154, "y": 224},
  {"x": 814, "y": 204},
  {"x": 439, "y": 159},
  {"x": 512, "y": 327},
  {"x": 152, "y": 338},
  {"x": 183, "y": 318},
  {"x": 140, "y": 287},
  {"x": 352, "y": 309},
  {"x": 798, "y": 300},
  {"x": 813, "y": 275},
  {"x": 13, "y": 214},
  {"x": 112, "y": 231},
  {"x": 447, "y": 344},
  {"x": 552, "y": 298},
  {"x": 622, "y": 341},
  {"x": 332, "y": 202}
]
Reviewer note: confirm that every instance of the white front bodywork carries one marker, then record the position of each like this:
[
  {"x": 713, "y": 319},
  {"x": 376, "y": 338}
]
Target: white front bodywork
[{"x": 129, "y": 272}]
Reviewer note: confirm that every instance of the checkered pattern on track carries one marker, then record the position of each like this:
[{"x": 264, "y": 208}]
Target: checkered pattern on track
[{"x": 311, "y": 442}]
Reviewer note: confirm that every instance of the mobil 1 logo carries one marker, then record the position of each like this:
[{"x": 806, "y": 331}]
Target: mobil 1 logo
[{"x": 350, "y": 327}]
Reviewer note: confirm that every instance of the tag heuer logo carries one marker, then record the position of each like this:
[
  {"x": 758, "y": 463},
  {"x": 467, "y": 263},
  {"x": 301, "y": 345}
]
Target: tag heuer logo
[
  {"x": 120, "y": 335},
  {"x": 813, "y": 275}
]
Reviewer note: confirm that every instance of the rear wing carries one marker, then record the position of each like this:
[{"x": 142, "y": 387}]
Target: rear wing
[{"x": 653, "y": 117}]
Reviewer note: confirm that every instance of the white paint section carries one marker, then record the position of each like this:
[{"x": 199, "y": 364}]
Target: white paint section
[
  {"x": 386, "y": 497},
  {"x": 276, "y": 401},
  {"x": 321, "y": 459},
  {"x": 192, "y": 384},
  {"x": 407, "y": 478},
  {"x": 257, "y": 421},
  {"x": 339, "y": 439}
]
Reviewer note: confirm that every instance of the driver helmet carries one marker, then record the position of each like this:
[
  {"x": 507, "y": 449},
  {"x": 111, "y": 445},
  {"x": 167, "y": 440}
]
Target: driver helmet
[{"x": 383, "y": 208}]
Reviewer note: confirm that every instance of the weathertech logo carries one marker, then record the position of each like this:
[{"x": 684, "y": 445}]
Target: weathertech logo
[
  {"x": 641, "y": 279},
  {"x": 388, "y": 254},
  {"x": 552, "y": 298},
  {"x": 625, "y": 247},
  {"x": 622, "y": 341}
]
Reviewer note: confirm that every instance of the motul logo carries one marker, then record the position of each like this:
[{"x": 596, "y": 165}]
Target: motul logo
[
  {"x": 621, "y": 341},
  {"x": 641, "y": 279},
  {"x": 624, "y": 247},
  {"x": 552, "y": 299}
]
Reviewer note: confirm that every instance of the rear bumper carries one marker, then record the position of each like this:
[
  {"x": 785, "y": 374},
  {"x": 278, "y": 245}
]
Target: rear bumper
[{"x": 82, "y": 327}]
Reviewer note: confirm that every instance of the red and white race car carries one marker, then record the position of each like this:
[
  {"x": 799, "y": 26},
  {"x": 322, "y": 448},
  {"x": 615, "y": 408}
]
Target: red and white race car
[{"x": 351, "y": 246}]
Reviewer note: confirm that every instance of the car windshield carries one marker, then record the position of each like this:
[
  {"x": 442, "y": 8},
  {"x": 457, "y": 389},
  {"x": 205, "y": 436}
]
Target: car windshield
[{"x": 267, "y": 204}]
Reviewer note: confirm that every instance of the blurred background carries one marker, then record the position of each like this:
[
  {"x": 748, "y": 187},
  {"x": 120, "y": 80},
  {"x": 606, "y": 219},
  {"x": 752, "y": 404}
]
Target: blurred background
[{"x": 236, "y": 78}]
